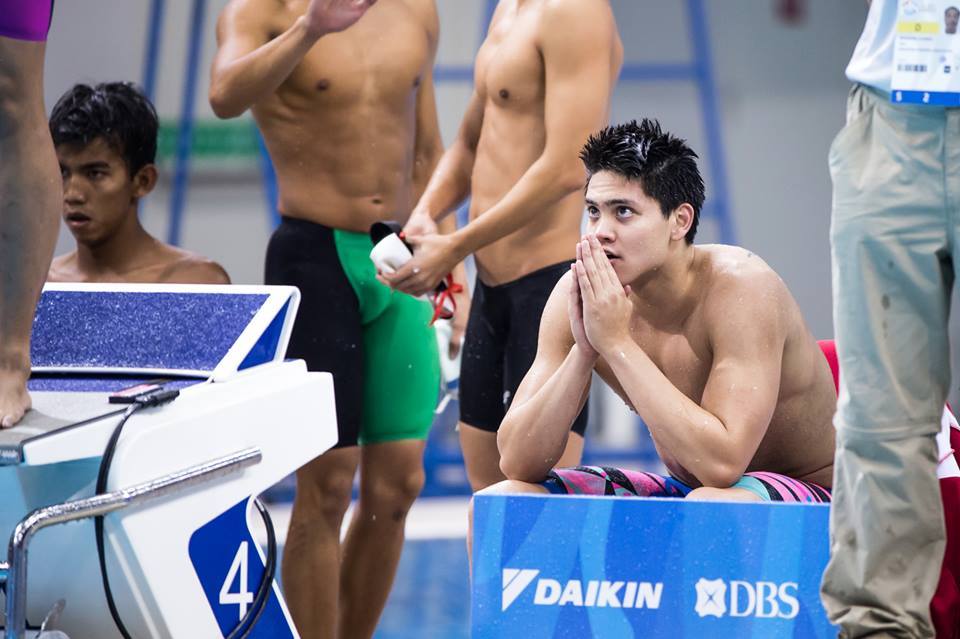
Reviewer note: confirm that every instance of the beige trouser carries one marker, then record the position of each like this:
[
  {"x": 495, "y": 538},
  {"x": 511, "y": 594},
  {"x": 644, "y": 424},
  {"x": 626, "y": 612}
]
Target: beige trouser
[{"x": 896, "y": 190}]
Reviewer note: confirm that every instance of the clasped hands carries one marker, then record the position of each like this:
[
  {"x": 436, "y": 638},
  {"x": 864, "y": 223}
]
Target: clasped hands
[
  {"x": 434, "y": 255},
  {"x": 599, "y": 306}
]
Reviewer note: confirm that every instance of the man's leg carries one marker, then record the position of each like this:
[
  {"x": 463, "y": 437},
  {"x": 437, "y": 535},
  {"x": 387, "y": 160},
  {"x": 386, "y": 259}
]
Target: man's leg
[
  {"x": 391, "y": 478},
  {"x": 311, "y": 556},
  {"x": 327, "y": 335},
  {"x": 401, "y": 386},
  {"x": 890, "y": 313},
  {"x": 499, "y": 348},
  {"x": 481, "y": 387},
  {"x": 572, "y": 453},
  {"x": 30, "y": 200},
  {"x": 481, "y": 457}
]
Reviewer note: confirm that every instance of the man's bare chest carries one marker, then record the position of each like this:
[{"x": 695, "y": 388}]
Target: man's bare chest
[
  {"x": 684, "y": 359},
  {"x": 369, "y": 65},
  {"x": 509, "y": 65}
]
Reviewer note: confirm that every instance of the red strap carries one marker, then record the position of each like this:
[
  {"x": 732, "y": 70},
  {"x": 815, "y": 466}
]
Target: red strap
[{"x": 439, "y": 299}]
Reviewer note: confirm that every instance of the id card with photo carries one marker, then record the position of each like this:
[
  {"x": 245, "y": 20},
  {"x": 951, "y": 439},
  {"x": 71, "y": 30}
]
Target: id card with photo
[{"x": 926, "y": 53}]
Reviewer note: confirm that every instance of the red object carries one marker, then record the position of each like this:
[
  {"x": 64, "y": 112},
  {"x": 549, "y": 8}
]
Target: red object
[
  {"x": 439, "y": 299},
  {"x": 945, "y": 606},
  {"x": 792, "y": 11}
]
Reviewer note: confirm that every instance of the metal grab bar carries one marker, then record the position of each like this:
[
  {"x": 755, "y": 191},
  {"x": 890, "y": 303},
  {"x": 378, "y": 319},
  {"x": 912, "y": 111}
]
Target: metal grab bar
[{"x": 16, "y": 568}]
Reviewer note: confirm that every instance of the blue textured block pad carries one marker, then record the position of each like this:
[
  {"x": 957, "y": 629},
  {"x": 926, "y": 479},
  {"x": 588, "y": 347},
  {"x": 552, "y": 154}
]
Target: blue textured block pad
[
  {"x": 554, "y": 567},
  {"x": 138, "y": 330}
]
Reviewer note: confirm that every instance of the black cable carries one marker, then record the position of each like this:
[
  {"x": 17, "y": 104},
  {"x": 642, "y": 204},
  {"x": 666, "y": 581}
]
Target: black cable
[
  {"x": 154, "y": 398},
  {"x": 259, "y": 604},
  {"x": 246, "y": 625}
]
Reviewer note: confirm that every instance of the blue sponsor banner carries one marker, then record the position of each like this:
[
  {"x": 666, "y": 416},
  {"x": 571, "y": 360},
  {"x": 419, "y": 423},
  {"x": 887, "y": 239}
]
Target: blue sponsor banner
[
  {"x": 933, "y": 98},
  {"x": 224, "y": 555},
  {"x": 568, "y": 566}
]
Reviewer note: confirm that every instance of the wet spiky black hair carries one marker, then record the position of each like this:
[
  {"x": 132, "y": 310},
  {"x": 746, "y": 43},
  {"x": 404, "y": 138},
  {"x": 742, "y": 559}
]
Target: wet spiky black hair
[
  {"x": 663, "y": 164},
  {"x": 118, "y": 112}
]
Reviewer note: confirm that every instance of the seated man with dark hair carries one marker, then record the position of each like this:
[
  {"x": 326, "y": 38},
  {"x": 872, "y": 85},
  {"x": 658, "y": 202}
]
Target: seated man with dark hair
[
  {"x": 106, "y": 143},
  {"x": 704, "y": 342}
]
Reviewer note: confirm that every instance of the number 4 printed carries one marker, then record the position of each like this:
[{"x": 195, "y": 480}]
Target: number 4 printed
[{"x": 243, "y": 597}]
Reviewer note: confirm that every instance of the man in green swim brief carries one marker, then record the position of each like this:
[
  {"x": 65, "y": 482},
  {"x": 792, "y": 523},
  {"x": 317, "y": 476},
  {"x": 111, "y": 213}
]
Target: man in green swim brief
[
  {"x": 353, "y": 139},
  {"x": 377, "y": 343}
]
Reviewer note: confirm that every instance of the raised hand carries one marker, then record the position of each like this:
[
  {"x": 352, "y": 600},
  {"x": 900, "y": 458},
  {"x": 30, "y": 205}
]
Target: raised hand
[
  {"x": 606, "y": 302},
  {"x": 331, "y": 16}
]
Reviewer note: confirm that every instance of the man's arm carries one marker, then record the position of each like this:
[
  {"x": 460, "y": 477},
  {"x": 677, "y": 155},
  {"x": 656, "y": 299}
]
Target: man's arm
[
  {"x": 577, "y": 92},
  {"x": 428, "y": 148},
  {"x": 576, "y": 102},
  {"x": 716, "y": 439},
  {"x": 534, "y": 432},
  {"x": 428, "y": 145},
  {"x": 449, "y": 183},
  {"x": 248, "y": 65}
]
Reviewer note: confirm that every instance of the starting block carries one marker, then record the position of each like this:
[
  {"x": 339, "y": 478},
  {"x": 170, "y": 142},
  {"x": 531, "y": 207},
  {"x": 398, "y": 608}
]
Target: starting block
[
  {"x": 553, "y": 567},
  {"x": 180, "y": 556}
]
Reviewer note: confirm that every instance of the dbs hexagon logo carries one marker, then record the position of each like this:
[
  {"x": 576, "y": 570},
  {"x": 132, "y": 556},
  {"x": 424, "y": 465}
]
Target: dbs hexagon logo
[{"x": 711, "y": 597}]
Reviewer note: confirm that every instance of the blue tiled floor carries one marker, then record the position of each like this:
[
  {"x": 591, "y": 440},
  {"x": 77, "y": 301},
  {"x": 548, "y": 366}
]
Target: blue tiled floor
[{"x": 431, "y": 594}]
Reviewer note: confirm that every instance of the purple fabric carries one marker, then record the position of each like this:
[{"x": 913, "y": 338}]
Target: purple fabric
[
  {"x": 605, "y": 480},
  {"x": 25, "y": 19}
]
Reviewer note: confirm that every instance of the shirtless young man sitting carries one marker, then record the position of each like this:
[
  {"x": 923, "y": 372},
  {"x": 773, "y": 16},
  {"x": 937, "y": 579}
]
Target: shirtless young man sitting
[
  {"x": 705, "y": 342},
  {"x": 543, "y": 81},
  {"x": 106, "y": 142}
]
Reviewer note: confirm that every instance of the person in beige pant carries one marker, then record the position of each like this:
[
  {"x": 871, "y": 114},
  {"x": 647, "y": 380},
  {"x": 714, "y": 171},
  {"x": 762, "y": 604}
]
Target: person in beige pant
[{"x": 895, "y": 228}]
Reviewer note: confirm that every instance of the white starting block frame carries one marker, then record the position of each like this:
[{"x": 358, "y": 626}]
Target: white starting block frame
[{"x": 180, "y": 555}]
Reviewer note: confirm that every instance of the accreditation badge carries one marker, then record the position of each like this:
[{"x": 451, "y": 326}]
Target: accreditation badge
[{"x": 926, "y": 53}]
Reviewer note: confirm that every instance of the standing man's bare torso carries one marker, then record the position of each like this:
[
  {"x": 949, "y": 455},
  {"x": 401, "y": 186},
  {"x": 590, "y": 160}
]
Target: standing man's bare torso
[
  {"x": 341, "y": 128},
  {"x": 510, "y": 78}
]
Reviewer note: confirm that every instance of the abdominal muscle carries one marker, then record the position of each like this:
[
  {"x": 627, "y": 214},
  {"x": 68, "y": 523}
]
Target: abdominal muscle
[
  {"x": 345, "y": 165},
  {"x": 534, "y": 246}
]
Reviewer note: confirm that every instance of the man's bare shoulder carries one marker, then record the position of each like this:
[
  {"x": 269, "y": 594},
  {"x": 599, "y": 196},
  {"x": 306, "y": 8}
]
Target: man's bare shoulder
[
  {"x": 736, "y": 277},
  {"x": 585, "y": 29},
  {"x": 577, "y": 15},
  {"x": 256, "y": 8},
  {"x": 426, "y": 12},
  {"x": 256, "y": 15},
  {"x": 63, "y": 268},
  {"x": 184, "y": 267},
  {"x": 576, "y": 8}
]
